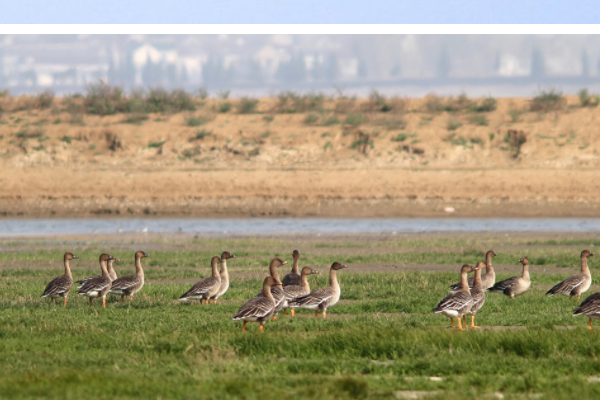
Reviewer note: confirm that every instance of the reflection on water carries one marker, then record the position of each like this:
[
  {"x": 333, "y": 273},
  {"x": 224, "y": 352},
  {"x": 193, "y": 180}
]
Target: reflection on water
[{"x": 271, "y": 226}]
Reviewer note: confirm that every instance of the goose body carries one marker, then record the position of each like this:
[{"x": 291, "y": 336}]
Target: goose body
[
  {"x": 323, "y": 298},
  {"x": 292, "y": 292},
  {"x": 276, "y": 290},
  {"x": 294, "y": 277},
  {"x": 576, "y": 284},
  {"x": 61, "y": 285},
  {"x": 129, "y": 285},
  {"x": 487, "y": 280},
  {"x": 516, "y": 285},
  {"x": 111, "y": 272},
  {"x": 206, "y": 288},
  {"x": 590, "y": 308},
  {"x": 477, "y": 293},
  {"x": 98, "y": 286},
  {"x": 459, "y": 303},
  {"x": 259, "y": 309},
  {"x": 224, "y": 275}
]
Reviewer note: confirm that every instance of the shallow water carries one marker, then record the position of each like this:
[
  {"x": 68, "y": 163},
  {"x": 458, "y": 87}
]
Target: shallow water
[{"x": 274, "y": 226}]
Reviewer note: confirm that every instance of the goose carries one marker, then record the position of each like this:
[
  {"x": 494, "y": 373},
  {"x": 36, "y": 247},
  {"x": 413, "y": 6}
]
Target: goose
[
  {"x": 576, "y": 284},
  {"x": 293, "y": 278},
  {"x": 292, "y": 292},
  {"x": 61, "y": 285},
  {"x": 590, "y": 308},
  {"x": 323, "y": 298},
  {"x": 459, "y": 303},
  {"x": 516, "y": 285},
  {"x": 129, "y": 285},
  {"x": 477, "y": 294},
  {"x": 277, "y": 291},
  {"x": 259, "y": 309},
  {"x": 111, "y": 272},
  {"x": 488, "y": 280},
  {"x": 98, "y": 286},
  {"x": 207, "y": 287},
  {"x": 224, "y": 276}
]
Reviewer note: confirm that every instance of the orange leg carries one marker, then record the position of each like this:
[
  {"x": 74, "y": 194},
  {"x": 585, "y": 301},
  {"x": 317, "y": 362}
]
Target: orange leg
[
  {"x": 465, "y": 321},
  {"x": 452, "y": 322},
  {"x": 316, "y": 314},
  {"x": 215, "y": 302},
  {"x": 130, "y": 299},
  {"x": 261, "y": 327},
  {"x": 460, "y": 328},
  {"x": 285, "y": 311},
  {"x": 65, "y": 301},
  {"x": 590, "y": 325},
  {"x": 473, "y": 322},
  {"x": 104, "y": 302},
  {"x": 52, "y": 301},
  {"x": 244, "y": 327},
  {"x": 274, "y": 318},
  {"x": 578, "y": 297},
  {"x": 324, "y": 314},
  {"x": 292, "y": 312}
]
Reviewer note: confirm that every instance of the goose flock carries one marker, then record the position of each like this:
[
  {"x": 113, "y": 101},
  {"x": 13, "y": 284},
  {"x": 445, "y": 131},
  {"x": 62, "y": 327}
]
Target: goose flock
[
  {"x": 466, "y": 297},
  {"x": 276, "y": 294}
]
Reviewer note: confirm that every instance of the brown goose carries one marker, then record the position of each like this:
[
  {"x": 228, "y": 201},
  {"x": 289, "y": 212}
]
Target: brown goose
[
  {"x": 61, "y": 285},
  {"x": 277, "y": 291},
  {"x": 98, "y": 286},
  {"x": 516, "y": 285},
  {"x": 224, "y": 276},
  {"x": 292, "y": 292},
  {"x": 457, "y": 304},
  {"x": 111, "y": 272},
  {"x": 590, "y": 308},
  {"x": 477, "y": 294},
  {"x": 207, "y": 287},
  {"x": 129, "y": 285},
  {"x": 576, "y": 284},
  {"x": 293, "y": 278},
  {"x": 323, "y": 298},
  {"x": 259, "y": 309},
  {"x": 488, "y": 280}
]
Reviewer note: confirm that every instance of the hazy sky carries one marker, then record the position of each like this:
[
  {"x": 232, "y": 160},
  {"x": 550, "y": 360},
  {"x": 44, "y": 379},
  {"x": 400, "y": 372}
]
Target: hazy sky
[{"x": 300, "y": 11}]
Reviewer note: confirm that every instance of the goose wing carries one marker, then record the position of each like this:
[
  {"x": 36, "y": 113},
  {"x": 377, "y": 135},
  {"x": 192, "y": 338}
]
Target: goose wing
[
  {"x": 505, "y": 284},
  {"x": 58, "y": 285},
  {"x": 202, "y": 287},
  {"x": 457, "y": 286},
  {"x": 313, "y": 298},
  {"x": 256, "y": 307},
  {"x": 293, "y": 292},
  {"x": 126, "y": 282},
  {"x": 567, "y": 285},
  {"x": 84, "y": 280},
  {"x": 590, "y": 306},
  {"x": 291, "y": 279},
  {"x": 455, "y": 301},
  {"x": 95, "y": 284}
]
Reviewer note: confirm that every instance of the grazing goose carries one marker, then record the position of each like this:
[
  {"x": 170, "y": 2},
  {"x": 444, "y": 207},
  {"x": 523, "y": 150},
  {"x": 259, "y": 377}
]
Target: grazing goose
[
  {"x": 224, "y": 276},
  {"x": 576, "y": 284},
  {"x": 488, "y": 280},
  {"x": 459, "y": 303},
  {"x": 277, "y": 291},
  {"x": 477, "y": 294},
  {"x": 207, "y": 287},
  {"x": 129, "y": 285},
  {"x": 98, "y": 286},
  {"x": 259, "y": 309},
  {"x": 61, "y": 285},
  {"x": 293, "y": 278},
  {"x": 292, "y": 292},
  {"x": 515, "y": 286},
  {"x": 111, "y": 272},
  {"x": 590, "y": 308},
  {"x": 323, "y": 298}
]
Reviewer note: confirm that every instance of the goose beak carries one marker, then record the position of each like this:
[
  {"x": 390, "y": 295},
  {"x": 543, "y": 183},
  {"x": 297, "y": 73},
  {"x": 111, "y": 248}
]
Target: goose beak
[
  {"x": 344, "y": 266},
  {"x": 591, "y": 254},
  {"x": 233, "y": 256},
  {"x": 116, "y": 259},
  {"x": 285, "y": 262}
]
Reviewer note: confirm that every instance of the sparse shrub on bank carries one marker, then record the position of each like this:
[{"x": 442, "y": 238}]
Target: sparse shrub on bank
[
  {"x": 488, "y": 104},
  {"x": 586, "y": 100},
  {"x": 547, "y": 102},
  {"x": 515, "y": 140},
  {"x": 247, "y": 105}
]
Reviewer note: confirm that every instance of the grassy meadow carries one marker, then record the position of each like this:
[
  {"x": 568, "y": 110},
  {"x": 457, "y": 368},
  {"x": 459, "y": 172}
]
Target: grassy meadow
[{"x": 380, "y": 341}]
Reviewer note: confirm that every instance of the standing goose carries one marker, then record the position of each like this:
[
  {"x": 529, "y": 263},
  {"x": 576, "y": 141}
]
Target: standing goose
[
  {"x": 576, "y": 284},
  {"x": 293, "y": 278},
  {"x": 259, "y": 309},
  {"x": 224, "y": 276},
  {"x": 459, "y": 303},
  {"x": 516, "y": 285},
  {"x": 477, "y": 294},
  {"x": 129, "y": 285},
  {"x": 590, "y": 308},
  {"x": 207, "y": 287},
  {"x": 277, "y": 291},
  {"x": 111, "y": 272},
  {"x": 488, "y": 280},
  {"x": 98, "y": 286},
  {"x": 61, "y": 285},
  {"x": 323, "y": 298},
  {"x": 292, "y": 292}
]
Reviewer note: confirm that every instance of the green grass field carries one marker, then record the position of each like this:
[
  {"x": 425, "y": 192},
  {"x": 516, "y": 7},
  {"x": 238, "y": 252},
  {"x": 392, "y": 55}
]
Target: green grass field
[{"x": 380, "y": 341}]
